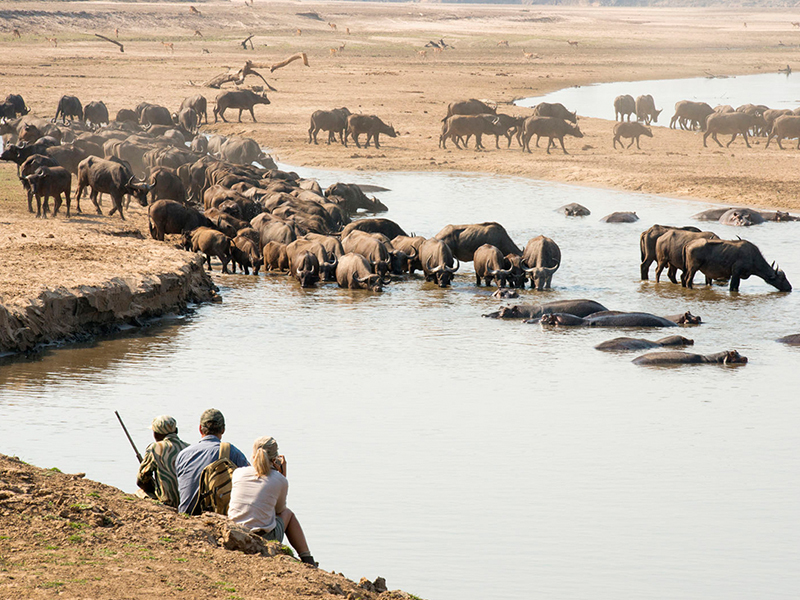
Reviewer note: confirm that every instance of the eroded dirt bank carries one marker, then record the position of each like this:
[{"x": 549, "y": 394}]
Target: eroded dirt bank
[
  {"x": 65, "y": 535},
  {"x": 66, "y": 279}
]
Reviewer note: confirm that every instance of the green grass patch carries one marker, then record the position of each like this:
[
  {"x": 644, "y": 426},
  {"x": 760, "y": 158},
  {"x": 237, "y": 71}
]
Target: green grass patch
[
  {"x": 4, "y": 537},
  {"x": 181, "y": 560},
  {"x": 81, "y": 506},
  {"x": 52, "y": 584},
  {"x": 225, "y": 586},
  {"x": 54, "y": 469},
  {"x": 75, "y": 539},
  {"x": 51, "y": 547},
  {"x": 165, "y": 539},
  {"x": 78, "y": 525},
  {"x": 93, "y": 495}
]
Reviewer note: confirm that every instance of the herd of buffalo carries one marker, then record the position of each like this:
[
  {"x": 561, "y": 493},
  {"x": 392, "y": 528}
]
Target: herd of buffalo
[
  {"x": 746, "y": 120},
  {"x": 207, "y": 190}
]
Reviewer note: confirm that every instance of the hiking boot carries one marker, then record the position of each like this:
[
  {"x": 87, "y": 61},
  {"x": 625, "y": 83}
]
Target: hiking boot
[{"x": 309, "y": 560}]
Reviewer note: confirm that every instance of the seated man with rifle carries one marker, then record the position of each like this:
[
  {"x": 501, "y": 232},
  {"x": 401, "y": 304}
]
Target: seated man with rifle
[{"x": 156, "y": 477}]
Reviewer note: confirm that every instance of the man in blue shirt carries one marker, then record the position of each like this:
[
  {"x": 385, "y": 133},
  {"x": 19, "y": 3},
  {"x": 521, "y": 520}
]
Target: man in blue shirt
[{"x": 190, "y": 462}]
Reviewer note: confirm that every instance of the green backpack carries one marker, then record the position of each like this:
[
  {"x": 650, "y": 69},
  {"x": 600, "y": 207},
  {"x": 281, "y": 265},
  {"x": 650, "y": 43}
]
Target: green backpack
[{"x": 214, "y": 494}]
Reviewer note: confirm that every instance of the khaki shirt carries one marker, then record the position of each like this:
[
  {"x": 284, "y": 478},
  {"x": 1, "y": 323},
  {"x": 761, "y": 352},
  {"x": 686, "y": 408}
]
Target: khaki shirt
[{"x": 158, "y": 469}]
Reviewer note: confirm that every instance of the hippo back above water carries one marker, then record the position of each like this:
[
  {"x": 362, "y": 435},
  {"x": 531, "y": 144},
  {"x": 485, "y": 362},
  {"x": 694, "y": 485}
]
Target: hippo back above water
[
  {"x": 580, "y": 308},
  {"x": 728, "y": 357},
  {"x": 626, "y": 344},
  {"x": 620, "y": 217},
  {"x": 607, "y": 319}
]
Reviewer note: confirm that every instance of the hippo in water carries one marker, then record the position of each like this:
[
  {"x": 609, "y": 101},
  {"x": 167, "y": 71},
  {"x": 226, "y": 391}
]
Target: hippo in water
[
  {"x": 606, "y": 319},
  {"x": 686, "y": 318},
  {"x": 711, "y": 215},
  {"x": 573, "y": 209},
  {"x": 741, "y": 217},
  {"x": 792, "y": 340},
  {"x": 729, "y": 357},
  {"x": 580, "y": 308},
  {"x": 620, "y": 217},
  {"x": 505, "y": 293},
  {"x": 624, "y": 344}
]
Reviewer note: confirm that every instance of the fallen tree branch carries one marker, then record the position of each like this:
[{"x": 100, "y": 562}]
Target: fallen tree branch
[
  {"x": 283, "y": 63},
  {"x": 248, "y": 39},
  {"x": 237, "y": 77},
  {"x": 116, "y": 43}
]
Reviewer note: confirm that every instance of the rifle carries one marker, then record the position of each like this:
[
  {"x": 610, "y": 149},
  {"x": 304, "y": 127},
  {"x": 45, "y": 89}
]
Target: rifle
[{"x": 125, "y": 429}]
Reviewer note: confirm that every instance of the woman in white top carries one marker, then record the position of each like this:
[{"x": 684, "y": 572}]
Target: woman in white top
[{"x": 258, "y": 499}]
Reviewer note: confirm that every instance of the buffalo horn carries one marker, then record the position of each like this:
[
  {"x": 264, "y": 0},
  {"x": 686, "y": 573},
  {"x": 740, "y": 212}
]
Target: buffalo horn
[
  {"x": 454, "y": 269},
  {"x": 413, "y": 256}
]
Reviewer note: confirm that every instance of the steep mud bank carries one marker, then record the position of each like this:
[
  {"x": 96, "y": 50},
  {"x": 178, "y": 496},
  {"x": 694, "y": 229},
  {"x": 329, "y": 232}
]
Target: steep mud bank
[{"x": 63, "y": 315}]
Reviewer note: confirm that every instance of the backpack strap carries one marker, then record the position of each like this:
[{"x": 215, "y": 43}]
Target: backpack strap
[{"x": 224, "y": 450}]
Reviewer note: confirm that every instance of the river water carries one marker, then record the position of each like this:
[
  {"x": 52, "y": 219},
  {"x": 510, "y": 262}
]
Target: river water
[
  {"x": 776, "y": 90},
  {"x": 462, "y": 457}
]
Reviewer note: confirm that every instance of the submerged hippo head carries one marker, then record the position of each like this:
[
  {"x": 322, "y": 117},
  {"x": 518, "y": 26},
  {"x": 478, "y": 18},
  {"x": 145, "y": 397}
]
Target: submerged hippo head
[
  {"x": 732, "y": 357},
  {"x": 505, "y": 293},
  {"x": 688, "y": 318}
]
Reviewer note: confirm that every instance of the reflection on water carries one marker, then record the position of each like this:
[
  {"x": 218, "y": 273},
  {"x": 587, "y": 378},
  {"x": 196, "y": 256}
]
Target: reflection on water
[
  {"x": 775, "y": 90},
  {"x": 455, "y": 455}
]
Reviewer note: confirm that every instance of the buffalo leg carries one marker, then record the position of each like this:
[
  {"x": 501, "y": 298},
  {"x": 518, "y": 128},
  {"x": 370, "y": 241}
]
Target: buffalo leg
[
  {"x": 66, "y": 194},
  {"x": 93, "y": 198},
  {"x": 375, "y": 139},
  {"x": 30, "y": 196},
  {"x": 631, "y": 144},
  {"x": 56, "y": 203},
  {"x": 355, "y": 139},
  {"x": 478, "y": 141},
  {"x": 714, "y": 137},
  {"x": 671, "y": 271},
  {"x": 688, "y": 278},
  {"x": 659, "y": 268},
  {"x": 734, "y": 287},
  {"x": 746, "y": 141},
  {"x": 728, "y": 145},
  {"x": 252, "y": 114},
  {"x": 38, "y": 206},
  {"x": 561, "y": 139}
]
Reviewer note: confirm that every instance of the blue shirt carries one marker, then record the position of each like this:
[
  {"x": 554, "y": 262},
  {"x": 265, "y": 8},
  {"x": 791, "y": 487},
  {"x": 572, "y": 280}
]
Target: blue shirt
[{"x": 191, "y": 462}]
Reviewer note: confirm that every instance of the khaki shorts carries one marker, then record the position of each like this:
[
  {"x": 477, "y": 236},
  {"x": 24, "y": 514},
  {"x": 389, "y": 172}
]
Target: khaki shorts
[{"x": 276, "y": 535}]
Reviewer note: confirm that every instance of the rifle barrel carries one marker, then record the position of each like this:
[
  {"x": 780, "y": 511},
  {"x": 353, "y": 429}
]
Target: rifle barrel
[{"x": 130, "y": 439}]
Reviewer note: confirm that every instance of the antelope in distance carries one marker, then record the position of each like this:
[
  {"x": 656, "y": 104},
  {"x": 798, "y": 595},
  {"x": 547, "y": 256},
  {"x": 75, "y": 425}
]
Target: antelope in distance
[
  {"x": 16, "y": 34},
  {"x": 332, "y": 26},
  {"x": 573, "y": 44},
  {"x": 423, "y": 54},
  {"x": 53, "y": 41},
  {"x": 169, "y": 45},
  {"x": 194, "y": 11},
  {"x": 503, "y": 43}
]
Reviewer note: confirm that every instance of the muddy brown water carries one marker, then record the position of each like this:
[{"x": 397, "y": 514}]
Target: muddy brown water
[{"x": 463, "y": 457}]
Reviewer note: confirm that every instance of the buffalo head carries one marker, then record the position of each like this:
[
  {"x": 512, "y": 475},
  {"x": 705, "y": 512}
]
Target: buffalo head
[
  {"x": 371, "y": 282},
  {"x": 778, "y": 279},
  {"x": 443, "y": 274},
  {"x": 139, "y": 190},
  {"x": 307, "y": 271},
  {"x": 540, "y": 276},
  {"x": 327, "y": 270}
]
